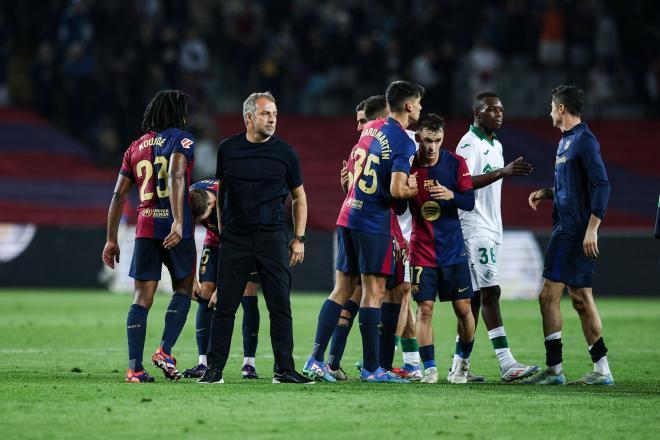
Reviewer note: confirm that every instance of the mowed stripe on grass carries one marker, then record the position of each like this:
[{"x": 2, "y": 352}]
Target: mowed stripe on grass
[{"x": 63, "y": 359}]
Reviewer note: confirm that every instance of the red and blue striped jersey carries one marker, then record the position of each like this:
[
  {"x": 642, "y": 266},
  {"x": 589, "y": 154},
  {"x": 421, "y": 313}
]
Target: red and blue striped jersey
[
  {"x": 437, "y": 239},
  {"x": 146, "y": 163},
  {"x": 212, "y": 238},
  {"x": 383, "y": 148}
]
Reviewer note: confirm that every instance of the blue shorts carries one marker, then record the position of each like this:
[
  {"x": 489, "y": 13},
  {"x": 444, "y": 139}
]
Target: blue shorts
[
  {"x": 208, "y": 267},
  {"x": 448, "y": 283},
  {"x": 566, "y": 263},
  {"x": 363, "y": 253},
  {"x": 149, "y": 255}
]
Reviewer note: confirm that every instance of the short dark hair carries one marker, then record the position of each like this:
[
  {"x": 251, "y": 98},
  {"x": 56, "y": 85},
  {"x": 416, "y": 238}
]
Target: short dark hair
[
  {"x": 199, "y": 201},
  {"x": 572, "y": 97},
  {"x": 375, "y": 106},
  {"x": 398, "y": 92},
  {"x": 168, "y": 109},
  {"x": 431, "y": 122},
  {"x": 360, "y": 106},
  {"x": 479, "y": 99}
]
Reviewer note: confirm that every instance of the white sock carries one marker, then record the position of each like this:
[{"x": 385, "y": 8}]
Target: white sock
[
  {"x": 411, "y": 358},
  {"x": 555, "y": 335},
  {"x": 456, "y": 359},
  {"x": 202, "y": 360},
  {"x": 602, "y": 366},
  {"x": 248, "y": 361},
  {"x": 556, "y": 369},
  {"x": 504, "y": 355}
]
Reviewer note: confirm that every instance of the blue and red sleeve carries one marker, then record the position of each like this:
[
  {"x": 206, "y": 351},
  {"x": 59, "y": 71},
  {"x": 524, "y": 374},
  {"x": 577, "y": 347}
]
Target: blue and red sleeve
[
  {"x": 464, "y": 194},
  {"x": 126, "y": 169}
]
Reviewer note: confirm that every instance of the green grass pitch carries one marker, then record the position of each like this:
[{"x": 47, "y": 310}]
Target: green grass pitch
[{"x": 47, "y": 336}]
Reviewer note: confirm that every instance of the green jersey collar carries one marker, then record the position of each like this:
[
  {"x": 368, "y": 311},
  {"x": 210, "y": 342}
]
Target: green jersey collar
[{"x": 481, "y": 135}]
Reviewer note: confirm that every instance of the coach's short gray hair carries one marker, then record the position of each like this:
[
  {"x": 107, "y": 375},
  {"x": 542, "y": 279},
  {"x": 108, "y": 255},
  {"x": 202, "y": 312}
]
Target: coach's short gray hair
[{"x": 250, "y": 103}]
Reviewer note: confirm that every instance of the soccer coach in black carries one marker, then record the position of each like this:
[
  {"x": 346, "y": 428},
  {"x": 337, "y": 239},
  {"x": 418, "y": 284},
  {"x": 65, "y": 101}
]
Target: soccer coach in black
[{"x": 257, "y": 171}]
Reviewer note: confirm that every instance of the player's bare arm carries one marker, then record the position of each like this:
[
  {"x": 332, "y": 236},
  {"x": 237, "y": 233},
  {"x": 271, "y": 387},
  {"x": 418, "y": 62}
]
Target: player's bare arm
[
  {"x": 177, "y": 183},
  {"x": 299, "y": 208},
  {"x": 590, "y": 242},
  {"x": 343, "y": 177},
  {"x": 111, "y": 248},
  {"x": 518, "y": 167},
  {"x": 403, "y": 186},
  {"x": 537, "y": 197}
]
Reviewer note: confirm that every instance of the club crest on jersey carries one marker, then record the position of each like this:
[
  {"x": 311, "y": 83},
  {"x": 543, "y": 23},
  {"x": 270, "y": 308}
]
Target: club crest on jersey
[{"x": 186, "y": 143}]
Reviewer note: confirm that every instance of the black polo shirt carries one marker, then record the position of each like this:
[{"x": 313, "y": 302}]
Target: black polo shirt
[{"x": 257, "y": 179}]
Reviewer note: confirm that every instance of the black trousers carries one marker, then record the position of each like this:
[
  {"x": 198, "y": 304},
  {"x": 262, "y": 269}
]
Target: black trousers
[{"x": 268, "y": 251}]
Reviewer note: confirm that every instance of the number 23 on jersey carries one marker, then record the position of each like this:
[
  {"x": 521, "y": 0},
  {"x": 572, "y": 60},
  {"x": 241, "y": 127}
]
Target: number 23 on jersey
[{"x": 145, "y": 171}]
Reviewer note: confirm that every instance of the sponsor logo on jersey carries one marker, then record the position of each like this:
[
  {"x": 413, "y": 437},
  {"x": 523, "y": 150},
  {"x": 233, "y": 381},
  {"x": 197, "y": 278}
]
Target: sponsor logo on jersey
[
  {"x": 147, "y": 212},
  {"x": 161, "y": 213},
  {"x": 186, "y": 143},
  {"x": 431, "y": 211}
]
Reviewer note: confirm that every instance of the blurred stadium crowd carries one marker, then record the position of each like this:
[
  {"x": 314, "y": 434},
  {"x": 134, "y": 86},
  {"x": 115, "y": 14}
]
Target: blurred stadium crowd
[{"x": 91, "y": 66}]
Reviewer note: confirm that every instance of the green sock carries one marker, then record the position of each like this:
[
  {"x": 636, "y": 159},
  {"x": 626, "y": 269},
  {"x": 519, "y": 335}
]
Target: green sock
[
  {"x": 409, "y": 345},
  {"x": 397, "y": 340}
]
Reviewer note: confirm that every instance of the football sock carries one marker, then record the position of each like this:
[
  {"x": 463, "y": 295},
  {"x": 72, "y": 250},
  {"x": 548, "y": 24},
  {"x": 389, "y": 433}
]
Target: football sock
[
  {"x": 203, "y": 326},
  {"x": 327, "y": 321},
  {"x": 248, "y": 361},
  {"x": 340, "y": 335},
  {"x": 465, "y": 349},
  {"x": 456, "y": 359},
  {"x": 500, "y": 343},
  {"x": 369, "y": 319},
  {"x": 136, "y": 330},
  {"x": 175, "y": 319},
  {"x": 598, "y": 353},
  {"x": 427, "y": 353},
  {"x": 397, "y": 341},
  {"x": 389, "y": 318},
  {"x": 203, "y": 360},
  {"x": 250, "y": 325},
  {"x": 410, "y": 349},
  {"x": 553, "y": 354}
]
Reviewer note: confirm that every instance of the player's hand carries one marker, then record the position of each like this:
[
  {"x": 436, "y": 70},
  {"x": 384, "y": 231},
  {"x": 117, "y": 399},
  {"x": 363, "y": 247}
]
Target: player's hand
[
  {"x": 343, "y": 175},
  {"x": 518, "y": 167},
  {"x": 440, "y": 192},
  {"x": 296, "y": 252},
  {"x": 174, "y": 237},
  {"x": 590, "y": 243},
  {"x": 110, "y": 254},
  {"x": 213, "y": 300},
  {"x": 397, "y": 250},
  {"x": 412, "y": 183},
  {"x": 197, "y": 290},
  {"x": 536, "y": 198}
]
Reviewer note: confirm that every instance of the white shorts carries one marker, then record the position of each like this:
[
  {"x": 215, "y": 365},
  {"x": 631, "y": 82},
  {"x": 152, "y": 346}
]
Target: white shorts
[{"x": 482, "y": 258}]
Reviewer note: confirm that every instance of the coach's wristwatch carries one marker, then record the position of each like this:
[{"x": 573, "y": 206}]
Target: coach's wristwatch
[{"x": 300, "y": 238}]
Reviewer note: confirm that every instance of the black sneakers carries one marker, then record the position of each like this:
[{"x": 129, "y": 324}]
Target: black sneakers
[
  {"x": 211, "y": 376},
  {"x": 291, "y": 377}
]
